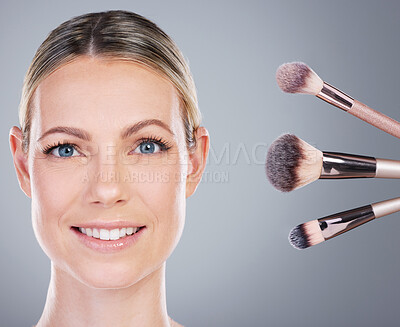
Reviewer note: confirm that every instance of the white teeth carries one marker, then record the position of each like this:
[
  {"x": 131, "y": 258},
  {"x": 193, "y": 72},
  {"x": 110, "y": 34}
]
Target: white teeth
[
  {"x": 105, "y": 234},
  {"x": 96, "y": 233},
  {"x": 114, "y": 234}
]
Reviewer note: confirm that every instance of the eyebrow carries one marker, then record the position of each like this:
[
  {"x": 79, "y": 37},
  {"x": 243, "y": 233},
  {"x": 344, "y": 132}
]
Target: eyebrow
[{"x": 126, "y": 132}]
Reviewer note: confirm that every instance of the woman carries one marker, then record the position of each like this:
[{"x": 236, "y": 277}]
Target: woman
[{"x": 109, "y": 149}]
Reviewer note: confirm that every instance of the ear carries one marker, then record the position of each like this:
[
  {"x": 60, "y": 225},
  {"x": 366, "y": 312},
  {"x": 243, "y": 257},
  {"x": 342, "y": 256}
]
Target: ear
[
  {"x": 197, "y": 160},
  {"x": 20, "y": 160}
]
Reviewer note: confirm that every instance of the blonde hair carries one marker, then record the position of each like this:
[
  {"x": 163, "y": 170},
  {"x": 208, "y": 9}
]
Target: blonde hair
[{"x": 113, "y": 34}]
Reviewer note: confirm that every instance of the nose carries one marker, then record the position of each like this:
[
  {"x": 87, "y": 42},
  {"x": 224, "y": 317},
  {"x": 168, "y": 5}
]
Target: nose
[{"x": 106, "y": 185}]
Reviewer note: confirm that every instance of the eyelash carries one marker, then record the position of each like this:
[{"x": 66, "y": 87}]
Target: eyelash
[
  {"x": 164, "y": 145},
  {"x": 50, "y": 147}
]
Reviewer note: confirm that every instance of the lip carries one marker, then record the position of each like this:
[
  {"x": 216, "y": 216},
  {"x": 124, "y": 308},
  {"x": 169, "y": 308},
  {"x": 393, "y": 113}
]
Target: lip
[
  {"x": 108, "y": 224},
  {"x": 111, "y": 246}
]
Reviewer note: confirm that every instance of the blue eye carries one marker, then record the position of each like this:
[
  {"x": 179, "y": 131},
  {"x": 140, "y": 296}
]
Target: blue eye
[
  {"x": 147, "y": 147},
  {"x": 61, "y": 150},
  {"x": 65, "y": 150}
]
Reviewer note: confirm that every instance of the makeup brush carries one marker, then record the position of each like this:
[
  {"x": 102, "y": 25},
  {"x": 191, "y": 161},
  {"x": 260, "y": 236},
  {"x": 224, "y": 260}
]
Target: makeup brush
[
  {"x": 293, "y": 163},
  {"x": 297, "y": 77},
  {"x": 322, "y": 229}
]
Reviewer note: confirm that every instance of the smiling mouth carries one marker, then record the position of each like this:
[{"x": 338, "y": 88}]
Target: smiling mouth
[{"x": 109, "y": 234}]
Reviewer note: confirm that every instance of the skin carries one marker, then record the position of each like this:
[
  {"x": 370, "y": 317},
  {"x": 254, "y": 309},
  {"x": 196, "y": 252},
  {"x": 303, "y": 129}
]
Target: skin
[{"x": 102, "y": 97}]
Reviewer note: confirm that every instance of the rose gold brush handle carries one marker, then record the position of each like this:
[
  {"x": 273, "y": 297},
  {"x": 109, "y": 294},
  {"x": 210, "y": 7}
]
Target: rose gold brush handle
[
  {"x": 385, "y": 208},
  {"x": 344, "y": 221},
  {"x": 375, "y": 118},
  {"x": 343, "y": 101}
]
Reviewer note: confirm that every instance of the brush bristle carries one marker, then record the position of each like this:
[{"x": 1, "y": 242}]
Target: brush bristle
[
  {"x": 292, "y": 163},
  {"x": 297, "y": 77},
  {"x": 306, "y": 235}
]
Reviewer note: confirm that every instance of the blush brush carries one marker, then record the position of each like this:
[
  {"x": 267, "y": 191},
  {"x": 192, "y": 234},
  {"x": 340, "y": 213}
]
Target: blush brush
[
  {"x": 297, "y": 77},
  {"x": 293, "y": 163},
  {"x": 322, "y": 229}
]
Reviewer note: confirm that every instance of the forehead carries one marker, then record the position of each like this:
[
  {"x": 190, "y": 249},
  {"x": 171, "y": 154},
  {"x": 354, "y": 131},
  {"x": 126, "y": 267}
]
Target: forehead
[{"x": 101, "y": 94}]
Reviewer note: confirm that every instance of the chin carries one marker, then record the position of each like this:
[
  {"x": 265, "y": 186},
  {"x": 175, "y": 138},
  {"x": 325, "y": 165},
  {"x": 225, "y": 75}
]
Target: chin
[{"x": 112, "y": 276}]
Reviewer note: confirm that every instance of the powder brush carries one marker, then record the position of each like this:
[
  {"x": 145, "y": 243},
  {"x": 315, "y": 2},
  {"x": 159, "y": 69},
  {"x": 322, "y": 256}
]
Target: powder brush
[
  {"x": 297, "y": 77},
  {"x": 292, "y": 163}
]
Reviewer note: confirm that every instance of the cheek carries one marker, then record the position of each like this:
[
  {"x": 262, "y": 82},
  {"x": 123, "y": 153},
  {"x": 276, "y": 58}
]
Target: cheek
[
  {"x": 55, "y": 186},
  {"x": 164, "y": 195},
  {"x": 54, "y": 189},
  {"x": 162, "y": 188}
]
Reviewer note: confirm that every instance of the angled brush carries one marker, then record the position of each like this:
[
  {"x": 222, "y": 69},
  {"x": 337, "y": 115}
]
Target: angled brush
[{"x": 316, "y": 231}]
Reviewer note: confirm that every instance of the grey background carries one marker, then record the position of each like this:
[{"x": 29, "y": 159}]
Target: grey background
[{"x": 234, "y": 265}]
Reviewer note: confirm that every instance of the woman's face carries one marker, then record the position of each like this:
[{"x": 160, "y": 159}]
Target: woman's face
[{"x": 122, "y": 167}]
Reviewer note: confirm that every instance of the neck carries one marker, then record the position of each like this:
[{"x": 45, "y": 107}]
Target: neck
[{"x": 72, "y": 303}]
